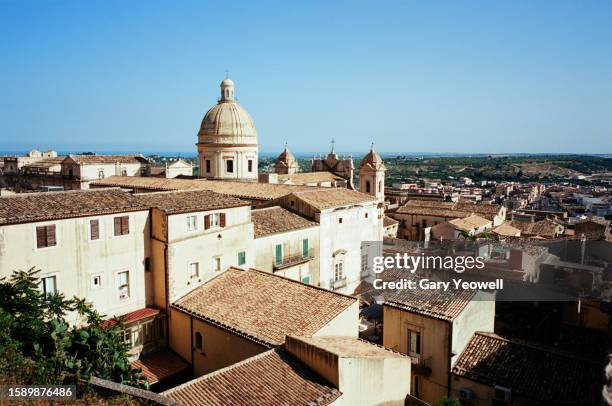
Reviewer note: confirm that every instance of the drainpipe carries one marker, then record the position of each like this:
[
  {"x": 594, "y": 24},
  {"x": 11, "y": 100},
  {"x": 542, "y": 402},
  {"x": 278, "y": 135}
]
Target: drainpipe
[{"x": 450, "y": 357}]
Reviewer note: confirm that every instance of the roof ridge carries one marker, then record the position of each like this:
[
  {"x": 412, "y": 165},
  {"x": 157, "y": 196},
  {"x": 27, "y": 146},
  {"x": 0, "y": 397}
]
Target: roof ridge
[
  {"x": 534, "y": 345},
  {"x": 299, "y": 282},
  {"x": 219, "y": 371},
  {"x": 76, "y": 191}
]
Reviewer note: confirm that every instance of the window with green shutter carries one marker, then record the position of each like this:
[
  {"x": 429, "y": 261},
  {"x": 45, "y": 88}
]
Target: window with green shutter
[
  {"x": 306, "y": 279},
  {"x": 241, "y": 258},
  {"x": 278, "y": 257},
  {"x": 305, "y": 247}
]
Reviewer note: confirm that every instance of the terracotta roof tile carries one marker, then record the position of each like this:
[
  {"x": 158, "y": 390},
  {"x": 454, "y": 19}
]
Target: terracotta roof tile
[
  {"x": 304, "y": 178},
  {"x": 449, "y": 209},
  {"x": 132, "y": 316},
  {"x": 277, "y": 220},
  {"x": 328, "y": 198},
  {"x": 160, "y": 365},
  {"x": 185, "y": 201},
  {"x": 272, "y": 378},
  {"x": 44, "y": 206},
  {"x": 108, "y": 159},
  {"x": 249, "y": 190},
  {"x": 262, "y": 306},
  {"x": 531, "y": 370}
]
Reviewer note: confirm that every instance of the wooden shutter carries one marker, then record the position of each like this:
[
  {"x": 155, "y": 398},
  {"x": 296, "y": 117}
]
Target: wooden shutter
[
  {"x": 50, "y": 235},
  {"x": 94, "y": 229},
  {"x": 279, "y": 254},
  {"x": 305, "y": 247},
  {"x": 117, "y": 221},
  {"x": 222, "y": 219},
  {"x": 125, "y": 225},
  {"x": 207, "y": 222},
  {"x": 41, "y": 237}
]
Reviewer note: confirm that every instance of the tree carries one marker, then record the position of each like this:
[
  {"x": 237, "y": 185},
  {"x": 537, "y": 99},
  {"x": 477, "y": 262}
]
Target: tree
[
  {"x": 447, "y": 402},
  {"x": 41, "y": 347}
]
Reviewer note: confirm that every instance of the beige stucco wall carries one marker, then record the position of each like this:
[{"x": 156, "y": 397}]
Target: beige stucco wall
[
  {"x": 434, "y": 347},
  {"x": 346, "y": 323},
  {"x": 347, "y": 237},
  {"x": 76, "y": 259},
  {"x": 374, "y": 381},
  {"x": 203, "y": 246},
  {"x": 220, "y": 348},
  {"x": 179, "y": 336},
  {"x": 478, "y": 315},
  {"x": 292, "y": 245}
]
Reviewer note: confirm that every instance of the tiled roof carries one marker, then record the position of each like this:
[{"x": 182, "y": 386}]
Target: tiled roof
[
  {"x": 506, "y": 229},
  {"x": 531, "y": 370},
  {"x": 277, "y": 220},
  {"x": 436, "y": 303},
  {"x": 132, "y": 316},
  {"x": 448, "y": 209},
  {"x": 542, "y": 228},
  {"x": 45, "y": 163},
  {"x": 304, "y": 178},
  {"x": 470, "y": 223},
  {"x": 160, "y": 365},
  {"x": 328, "y": 198},
  {"x": 248, "y": 190},
  {"x": 108, "y": 159},
  {"x": 262, "y": 306},
  {"x": 272, "y": 378},
  {"x": 34, "y": 207},
  {"x": 185, "y": 201},
  {"x": 388, "y": 221}
]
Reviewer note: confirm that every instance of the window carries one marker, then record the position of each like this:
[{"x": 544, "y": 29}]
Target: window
[
  {"x": 127, "y": 337},
  {"x": 94, "y": 229},
  {"x": 147, "y": 264},
  {"x": 48, "y": 285},
  {"x": 122, "y": 225},
  {"x": 194, "y": 270},
  {"x": 278, "y": 254},
  {"x": 338, "y": 271},
  {"x": 192, "y": 223},
  {"x": 198, "y": 341},
  {"x": 340, "y": 220},
  {"x": 96, "y": 281},
  {"x": 367, "y": 186},
  {"x": 214, "y": 220},
  {"x": 366, "y": 215},
  {"x": 380, "y": 187},
  {"x": 229, "y": 166},
  {"x": 241, "y": 258},
  {"x": 100, "y": 173},
  {"x": 250, "y": 165},
  {"x": 123, "y": 284},
  {"x": 124, "y": 172},
  {"x": 45, "y": 236},
  {"x": 306, "y": 279},
  {"x": 147, "y": 332},
  {"x": 305, "y": 247},
  {"x": 364, "y": 263},
  {"x": 207, "y": 162},
  {"x": 217, "y": 264},
  {"x": 414, "y": 342}
]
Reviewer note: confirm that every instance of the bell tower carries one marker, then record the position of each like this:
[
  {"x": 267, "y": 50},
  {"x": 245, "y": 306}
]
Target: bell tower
[{"x": 372, "y": 175}]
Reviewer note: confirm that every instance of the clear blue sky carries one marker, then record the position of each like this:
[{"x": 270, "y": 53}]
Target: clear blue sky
[{"x": 429, "y": 76}]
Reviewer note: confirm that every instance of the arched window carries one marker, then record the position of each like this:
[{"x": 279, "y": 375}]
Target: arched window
[
  {"x": 100, "y": 173},
  {"x": 367, "y": 186},
  {"x": 198, "y": 341},
  {"x": 380, "y": 187}
]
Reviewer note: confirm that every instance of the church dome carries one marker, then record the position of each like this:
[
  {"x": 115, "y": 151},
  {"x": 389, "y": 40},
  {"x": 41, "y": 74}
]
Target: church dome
[
  {"x": 286, "y": 156},
  {"x": 227, "y": 122}
]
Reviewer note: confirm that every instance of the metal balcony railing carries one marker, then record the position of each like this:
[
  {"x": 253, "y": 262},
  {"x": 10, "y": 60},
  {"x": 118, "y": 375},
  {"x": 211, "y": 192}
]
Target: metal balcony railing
[
  {"x": 421, "y": 364},
  {"x": 338, "y": 283},
  {"x": 293, "y": 259}
]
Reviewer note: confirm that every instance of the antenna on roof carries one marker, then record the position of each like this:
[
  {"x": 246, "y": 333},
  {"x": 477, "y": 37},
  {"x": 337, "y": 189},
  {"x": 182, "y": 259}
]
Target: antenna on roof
[{"x": 226, "y": 73}]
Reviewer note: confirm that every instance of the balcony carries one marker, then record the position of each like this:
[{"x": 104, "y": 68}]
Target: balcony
[
  {"x": 421, "y": 365},
  {"x": 293, "y": 259},
  {"x": 338, "y": 283}
]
